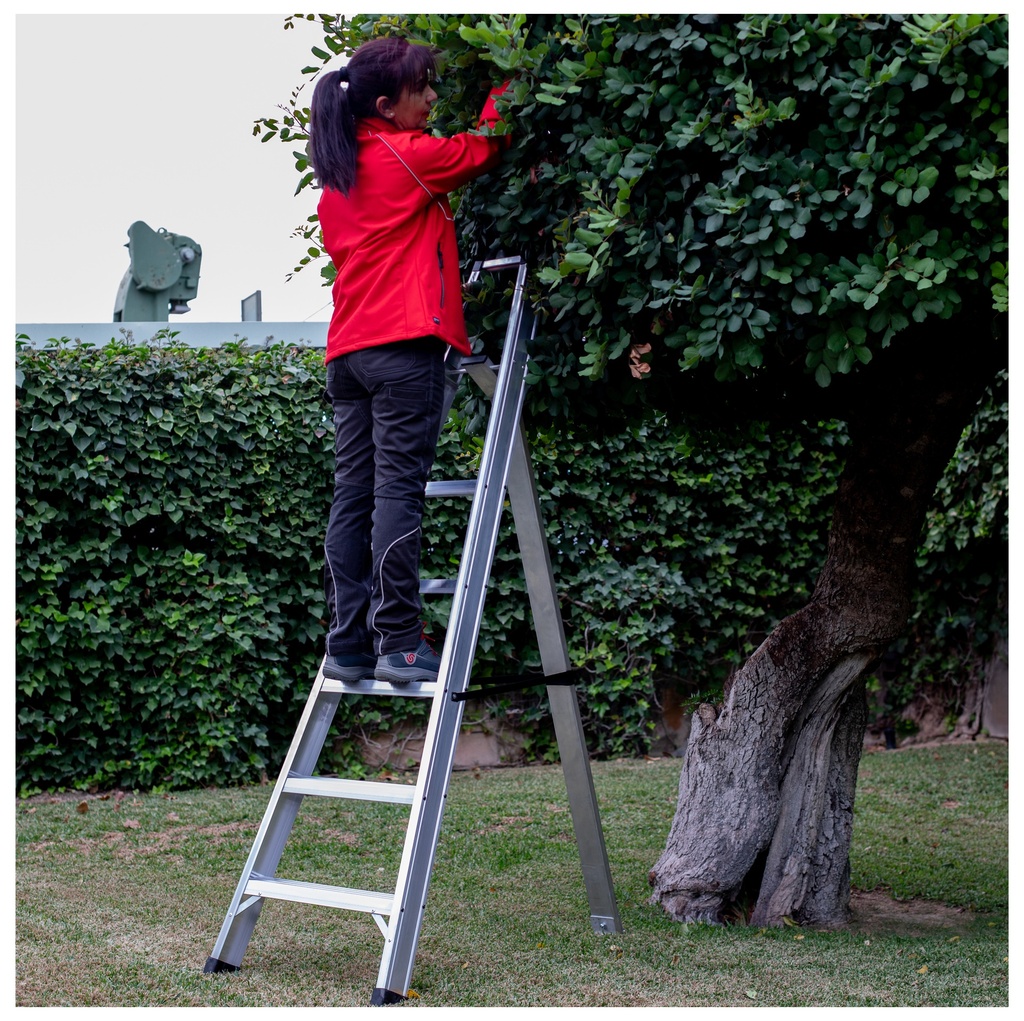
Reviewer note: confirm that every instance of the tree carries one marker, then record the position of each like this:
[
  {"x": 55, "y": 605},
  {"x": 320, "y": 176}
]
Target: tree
[{"x": 787, "y": 217}]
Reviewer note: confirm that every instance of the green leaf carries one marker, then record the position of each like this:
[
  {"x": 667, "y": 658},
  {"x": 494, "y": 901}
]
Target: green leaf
[{"x": 578, "y": 260}]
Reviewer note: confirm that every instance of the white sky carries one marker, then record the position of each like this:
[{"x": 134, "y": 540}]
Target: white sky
[{"x": 124, "y": 117}]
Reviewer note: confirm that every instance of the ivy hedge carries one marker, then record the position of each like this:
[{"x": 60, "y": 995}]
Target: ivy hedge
[{"x": 171, "y": 503}]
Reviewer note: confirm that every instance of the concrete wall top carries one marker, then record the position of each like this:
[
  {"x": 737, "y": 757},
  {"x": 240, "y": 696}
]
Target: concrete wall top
[{"x": 192, "y": 334}]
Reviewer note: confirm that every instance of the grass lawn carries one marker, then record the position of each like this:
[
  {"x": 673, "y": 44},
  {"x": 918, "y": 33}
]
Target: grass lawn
[{"x": 120, "y": 899}]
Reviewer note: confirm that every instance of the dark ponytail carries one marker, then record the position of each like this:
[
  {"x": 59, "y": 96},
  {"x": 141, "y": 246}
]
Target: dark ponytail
[
  {"x": 380, "y": 67},
  {"x": 332, "y": 139}
]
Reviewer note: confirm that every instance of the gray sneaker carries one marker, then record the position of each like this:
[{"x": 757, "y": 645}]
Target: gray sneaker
[
  {"x": 350, "y": 667},
  {"x": 403, "y": 667}
]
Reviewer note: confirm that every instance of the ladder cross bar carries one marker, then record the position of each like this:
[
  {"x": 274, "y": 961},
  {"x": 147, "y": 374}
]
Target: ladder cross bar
[
  {"x": 301, "y": 892},
  {"x": 354, "y": 790},
  {"x": 371, "y": 686}
]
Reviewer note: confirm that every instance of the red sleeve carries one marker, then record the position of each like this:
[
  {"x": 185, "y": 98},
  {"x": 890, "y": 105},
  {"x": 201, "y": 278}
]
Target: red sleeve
[{"x": 443, "y": 164}]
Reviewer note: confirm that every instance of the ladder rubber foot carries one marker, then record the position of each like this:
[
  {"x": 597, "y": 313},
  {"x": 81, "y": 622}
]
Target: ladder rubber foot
[
  {"x": 385, "y": 998},
  {"x": 213, "y": 965}
]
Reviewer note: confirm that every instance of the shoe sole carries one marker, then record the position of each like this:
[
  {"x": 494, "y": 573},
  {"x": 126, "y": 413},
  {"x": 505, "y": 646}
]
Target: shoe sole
[
  {"x": 350, "y": 674},
  {"x": 404, "y": 676}
]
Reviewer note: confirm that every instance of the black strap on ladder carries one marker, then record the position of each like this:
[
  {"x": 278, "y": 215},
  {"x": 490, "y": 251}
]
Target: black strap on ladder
[
  {"x": 516, "y": 682},
  {"x": 504, "y": 467}
]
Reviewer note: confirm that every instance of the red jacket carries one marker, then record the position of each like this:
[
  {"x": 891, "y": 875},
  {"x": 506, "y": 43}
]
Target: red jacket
[{"x": 392, "y": 240}]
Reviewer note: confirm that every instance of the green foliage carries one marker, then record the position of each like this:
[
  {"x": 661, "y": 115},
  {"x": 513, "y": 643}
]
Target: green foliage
[
  {"x": 751, "y": 194},
  {"x": 960, "y": 609},
  {"x": 171, "y": 503},
  {"x": 168, "y": 526},
  {"x": 170, "y": 516},
  {"x": 747, "y": 191}
]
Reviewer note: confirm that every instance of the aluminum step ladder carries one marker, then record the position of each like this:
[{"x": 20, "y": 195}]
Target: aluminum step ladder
[{"x": 504, "y": 466}]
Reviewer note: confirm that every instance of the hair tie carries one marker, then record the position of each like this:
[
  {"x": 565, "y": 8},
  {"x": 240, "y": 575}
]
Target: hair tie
[{"x": 343, "y": 74}]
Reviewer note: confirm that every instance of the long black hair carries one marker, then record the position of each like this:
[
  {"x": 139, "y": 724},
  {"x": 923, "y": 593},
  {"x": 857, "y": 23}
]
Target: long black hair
[{"x": 380, "y": 67}]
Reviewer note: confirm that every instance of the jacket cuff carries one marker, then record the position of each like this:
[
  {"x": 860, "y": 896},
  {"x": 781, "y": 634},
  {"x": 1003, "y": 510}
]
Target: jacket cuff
[{"x": 489, "y": 115}]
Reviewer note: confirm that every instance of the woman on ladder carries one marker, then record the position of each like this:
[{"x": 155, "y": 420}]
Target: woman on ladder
[{"x": 389, "y": 230}]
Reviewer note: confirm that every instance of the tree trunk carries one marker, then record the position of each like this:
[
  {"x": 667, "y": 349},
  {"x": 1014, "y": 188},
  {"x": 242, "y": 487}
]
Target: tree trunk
[{"x": 765, "y": 809}]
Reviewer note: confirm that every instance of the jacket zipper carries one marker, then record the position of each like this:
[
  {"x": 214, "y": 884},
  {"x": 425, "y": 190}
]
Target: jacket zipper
[{"x": 440, "y": 266}]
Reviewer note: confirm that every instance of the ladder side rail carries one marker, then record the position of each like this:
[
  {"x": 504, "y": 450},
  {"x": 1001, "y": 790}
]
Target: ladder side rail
[
  {"x": 278, "y": 819},
  {"x": 565, "y": 713},
  {"x": 457, "y": 659},
  {"x": 579, "y": 783}
]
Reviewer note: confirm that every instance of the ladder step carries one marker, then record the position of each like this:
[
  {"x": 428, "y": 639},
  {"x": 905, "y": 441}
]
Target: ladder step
[
  {"x": 355, "y": 790},
  {"x": 322, "y": 894},
  {"x": 452, "y": 487},
  {"x": 371, "y": 686},
  {"x": 438, "y": 586},
  {"x": 501, "y": 262},
  {"x": 491, "y": 265}
]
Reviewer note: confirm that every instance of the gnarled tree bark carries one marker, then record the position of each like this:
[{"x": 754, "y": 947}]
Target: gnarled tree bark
[{"x": 765, "y": 808}]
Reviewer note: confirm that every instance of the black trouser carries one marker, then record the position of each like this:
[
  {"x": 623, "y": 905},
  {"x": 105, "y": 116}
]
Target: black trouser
[{"x": 388, "y": 402}]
